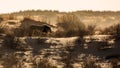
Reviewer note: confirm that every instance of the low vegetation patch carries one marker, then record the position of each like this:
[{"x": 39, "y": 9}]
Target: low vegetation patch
[
  {"x": 69, "y": 25},
  {"x": 113, "y": 30}
]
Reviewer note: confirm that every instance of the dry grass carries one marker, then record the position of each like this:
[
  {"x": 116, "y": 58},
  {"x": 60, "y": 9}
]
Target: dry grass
[
  {"x": 2, "y": 30},
  {"x": 90, "y": 29},
  {"x": 9, "y": 41},
  {"x": 44, "y": 63},
  {"x": 10, "y": 61},
  {"x": 1, "y": 19},
  {"x": 70, "y": 25},
  {"x": 90, "y": 64},
  {"x": 113, "y": 30}
]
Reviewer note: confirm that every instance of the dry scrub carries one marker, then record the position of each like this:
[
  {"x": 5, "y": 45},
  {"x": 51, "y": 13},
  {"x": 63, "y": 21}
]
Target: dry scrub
[
  {"x": 70, "y": 25},
  {"x": 113, "y": 30}
]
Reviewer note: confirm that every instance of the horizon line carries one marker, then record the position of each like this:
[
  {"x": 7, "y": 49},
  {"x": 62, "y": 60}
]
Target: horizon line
[{"x": 58, "y": 10}]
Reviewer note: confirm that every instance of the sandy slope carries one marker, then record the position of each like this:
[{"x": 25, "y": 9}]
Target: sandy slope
[{"x": 64, "y": 52}]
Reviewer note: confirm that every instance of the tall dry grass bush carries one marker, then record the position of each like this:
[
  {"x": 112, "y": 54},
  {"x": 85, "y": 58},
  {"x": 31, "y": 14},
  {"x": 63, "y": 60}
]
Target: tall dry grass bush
[
  {"x": 12, "y": 42},
  {"x": 1, "y": 19},
  {"x": 9, "y": 41},
  {"x": 113, "y": 30},
  {"x": 44, "y": 63},
  {"x": 11, "y": 61},
  {"x": 90, "y": 29},
  {"x": 70, "y": 25},
  {"x": 2, "y": 30}
]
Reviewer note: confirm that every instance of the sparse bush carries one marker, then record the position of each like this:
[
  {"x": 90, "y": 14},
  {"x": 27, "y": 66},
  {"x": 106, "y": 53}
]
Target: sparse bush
[
  {"x": 44, "y": 63},
  {"x": 115, "y": 62},
  {"x": 9, "y": 41},
  {"x": 10, "y": 61},
  {"x": 90, "y": 29},
  {"x": 1, "y": 19},
  {"x": 11, "y": 17},
  {"x": 2, "y": 30},
  {"x": 70, "y": 25},
  {"x": 113, "y": 30},
  {"x": 90, "y": 64}
]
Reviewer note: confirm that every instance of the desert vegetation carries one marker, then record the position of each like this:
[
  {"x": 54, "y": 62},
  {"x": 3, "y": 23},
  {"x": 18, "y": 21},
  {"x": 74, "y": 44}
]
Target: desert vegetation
[
  {"x": 72, "y": 40},
  {"x": 69, "y": 25},
  {"x": 113, "y": 30}
]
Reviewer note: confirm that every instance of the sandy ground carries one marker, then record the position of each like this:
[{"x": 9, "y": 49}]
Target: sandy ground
[{"x": 61, "y": 52}]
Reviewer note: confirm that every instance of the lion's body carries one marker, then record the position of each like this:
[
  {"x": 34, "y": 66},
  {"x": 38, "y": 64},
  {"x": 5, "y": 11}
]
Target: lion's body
[{"x": 42, "y": 29}]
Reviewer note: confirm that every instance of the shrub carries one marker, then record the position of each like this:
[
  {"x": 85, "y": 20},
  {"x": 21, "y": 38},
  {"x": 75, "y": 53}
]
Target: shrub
[
  {"x": 70, "y": 25},
  {"x": 91, "y": 64},
  {"x": 1, "y": 19},
  {"x": 90, "y": 29},
  {"x": 113, "y": 30},
  {"x": 44, "y": 63},
  {"x": 10, "y": 61},
  {"x": 9, "y": 41},
  {"x": 2, "y": 30}
]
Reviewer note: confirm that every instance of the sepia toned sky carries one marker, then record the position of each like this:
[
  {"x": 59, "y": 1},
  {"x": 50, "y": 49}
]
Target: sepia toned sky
[{"x": 7, "y": 6}]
